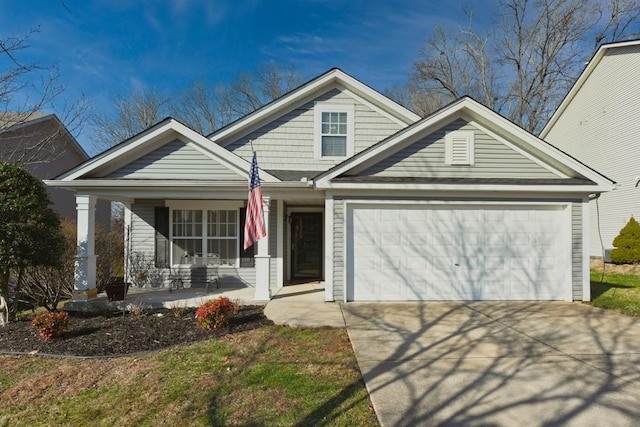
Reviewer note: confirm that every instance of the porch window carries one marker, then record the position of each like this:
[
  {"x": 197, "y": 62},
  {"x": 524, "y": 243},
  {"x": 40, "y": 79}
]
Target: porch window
[
  {"x": 198, "y": 233},
  {"x": 187, "y": 235},
  {"x": 222, "y": 235}
]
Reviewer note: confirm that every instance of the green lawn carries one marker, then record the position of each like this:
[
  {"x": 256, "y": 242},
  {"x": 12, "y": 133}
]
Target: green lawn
[
  {"x": 616, "y": 291},
  {"x": 269, "y": 376}
]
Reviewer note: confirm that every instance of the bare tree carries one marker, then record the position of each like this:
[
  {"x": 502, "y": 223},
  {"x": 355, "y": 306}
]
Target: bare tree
[
  {"x": 132, "y": 114},
  {"x": 252, "y": 90},
  {"x": 199, "y": 106},
  {"x": 202, "y": 106},
  {"x": 26, "y": 89},
  {"x": 526, "y": 63}
]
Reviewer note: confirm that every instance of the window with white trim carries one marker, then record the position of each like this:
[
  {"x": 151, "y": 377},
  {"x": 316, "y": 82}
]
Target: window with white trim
[
  {"x": 459, "y": 147},
  {"x": 334, "y": 130},
  {"x": 199, "y": 233}
]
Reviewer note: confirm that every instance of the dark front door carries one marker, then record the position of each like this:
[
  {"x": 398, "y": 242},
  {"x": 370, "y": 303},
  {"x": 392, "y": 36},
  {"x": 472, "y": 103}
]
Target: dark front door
[{"x": 306, "y": 246}]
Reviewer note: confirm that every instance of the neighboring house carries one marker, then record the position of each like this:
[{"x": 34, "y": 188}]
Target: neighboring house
[
  {"x": 44, "y": 147},
  {"x": 360, "y": 194},
  {"x": 597, "y": 123}
]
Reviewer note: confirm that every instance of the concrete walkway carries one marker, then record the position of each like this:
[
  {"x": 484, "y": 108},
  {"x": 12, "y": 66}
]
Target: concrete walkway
[
  {"x": 304, "y": 306},
  {"x": 497, "y": 364}
]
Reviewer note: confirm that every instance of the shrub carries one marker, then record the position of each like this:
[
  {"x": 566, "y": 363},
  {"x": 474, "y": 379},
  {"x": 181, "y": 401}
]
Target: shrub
[
  {"x": 51, "y": 325},
  {"x": 216, "y": 313},
  {"x": 627, "y": 244}
]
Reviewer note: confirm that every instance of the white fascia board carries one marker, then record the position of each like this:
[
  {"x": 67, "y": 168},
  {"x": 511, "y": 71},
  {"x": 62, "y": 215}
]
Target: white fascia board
[
  {"x": 517, "y": 149},
  {"x": 204, "y": 145},
  {"x": 577, "y": 189},
  {"x": 591, "y": 66},
  {"x": 130, "y": 190},
  {"x": 362, "y": 160},
  {"x": 537, "y": 143},
  {"x": 160, "y": 184},
  {"x": 114, "y": 153},
  {"x": 472, "y": 110},
  {"x": 377, "y": 109},
  {"x": 272, "y": 108},
  {"x": 333, "y": 77},
  {"x": 207, "y": 147},
  {"x": 377, "y": 97}
]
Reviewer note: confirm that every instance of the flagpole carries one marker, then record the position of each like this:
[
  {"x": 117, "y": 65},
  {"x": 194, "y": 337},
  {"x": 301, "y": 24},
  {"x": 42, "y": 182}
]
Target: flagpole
[
  {"x": 255, "y": 227},
  {"x": 256, "y": 223}
]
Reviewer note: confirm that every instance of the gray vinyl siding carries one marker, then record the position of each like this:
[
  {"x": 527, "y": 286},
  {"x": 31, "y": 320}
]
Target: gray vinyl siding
[
  {"x": 576, "y": 250},
  {"x": 142, "y": 232},
  {"x": 176, "y": 160},
  {"x": 272, "y": 234},
  {"x": 426, "y": 159},
  {"x": 600, "y": 128},
  {"x": 338, "y": 251},
  {"x": 287, "y": 143}
]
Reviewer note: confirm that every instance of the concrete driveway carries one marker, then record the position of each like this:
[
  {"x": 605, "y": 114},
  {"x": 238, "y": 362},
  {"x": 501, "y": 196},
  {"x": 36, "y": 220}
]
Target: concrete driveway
[{"x": 497, "y": 364}]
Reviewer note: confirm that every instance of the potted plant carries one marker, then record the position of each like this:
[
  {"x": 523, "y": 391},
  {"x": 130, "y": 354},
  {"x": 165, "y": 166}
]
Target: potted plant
[{"x": 116, "y": 289}]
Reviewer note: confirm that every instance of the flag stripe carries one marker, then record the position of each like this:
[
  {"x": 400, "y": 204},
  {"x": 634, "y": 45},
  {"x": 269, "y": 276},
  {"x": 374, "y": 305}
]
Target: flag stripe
[{"x": 254, "y": 228}]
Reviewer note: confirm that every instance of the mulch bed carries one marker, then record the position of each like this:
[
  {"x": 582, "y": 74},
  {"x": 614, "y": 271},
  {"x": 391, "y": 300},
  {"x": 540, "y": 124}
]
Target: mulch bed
[{"x": 117, "y": 334}]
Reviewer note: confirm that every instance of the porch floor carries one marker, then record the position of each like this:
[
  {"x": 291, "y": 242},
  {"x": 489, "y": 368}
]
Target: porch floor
[{"x": 194, "y": 297}]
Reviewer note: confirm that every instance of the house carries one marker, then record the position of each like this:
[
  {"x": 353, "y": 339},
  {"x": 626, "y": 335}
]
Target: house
[
  {"x": 360, "y": 194},
  {"x": 597, "y": 123},
  {"x": 44, "y": 147}
]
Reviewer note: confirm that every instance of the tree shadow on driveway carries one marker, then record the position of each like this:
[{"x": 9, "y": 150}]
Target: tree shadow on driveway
[{"x": 496, "y": 363}]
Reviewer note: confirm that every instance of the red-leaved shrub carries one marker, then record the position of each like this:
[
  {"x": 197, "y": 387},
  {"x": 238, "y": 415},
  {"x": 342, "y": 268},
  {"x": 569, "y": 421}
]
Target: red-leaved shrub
[
  {"x": 51, "y": 325},
  {"x": 216, "y": 313}
]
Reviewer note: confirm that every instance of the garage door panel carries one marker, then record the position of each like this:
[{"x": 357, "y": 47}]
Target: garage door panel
[
  {"x": 444, "y": 289},
  {"x": 391, "y": 239},
  {"x": 443, "y": 253},
  {"x": 417, "y": 240},
  {"x": 443, "y": 240},
  {"x": 417, "y": 264}
]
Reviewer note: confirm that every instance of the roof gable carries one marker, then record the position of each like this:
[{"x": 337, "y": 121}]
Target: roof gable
[
  {"x": 158, "y": 152},
  {"x": 37, "y": 127},
  {"x": 178, "y": 160},
  {"x": 584, "y": 76},
  {"x": 410, "y": 155},
  {"x": 493, "y": 157},
  {"x": 332, "y": 79}
]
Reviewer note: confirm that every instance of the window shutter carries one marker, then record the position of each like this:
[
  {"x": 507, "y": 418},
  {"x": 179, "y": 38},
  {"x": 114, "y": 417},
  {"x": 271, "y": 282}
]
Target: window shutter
[{"x": 162, "y": 237}]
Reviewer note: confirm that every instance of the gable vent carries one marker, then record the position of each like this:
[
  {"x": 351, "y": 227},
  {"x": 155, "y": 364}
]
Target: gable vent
[{"x": 459, "y": 147}]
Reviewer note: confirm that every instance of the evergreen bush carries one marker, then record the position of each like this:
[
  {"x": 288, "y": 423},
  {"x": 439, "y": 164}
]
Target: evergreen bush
[{"x": 627, "y": 244}]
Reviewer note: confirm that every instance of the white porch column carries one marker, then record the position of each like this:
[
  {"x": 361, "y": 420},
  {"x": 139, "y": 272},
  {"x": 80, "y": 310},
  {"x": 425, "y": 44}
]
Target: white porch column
[
  {"x": 263, "y": 259},
  {"x": 85, "y": 273}
]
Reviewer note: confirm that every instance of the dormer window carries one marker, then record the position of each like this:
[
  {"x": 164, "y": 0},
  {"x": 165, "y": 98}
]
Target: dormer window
[
  {"x": 333, "y": 131},
  {"x": 458, "y": 147}
]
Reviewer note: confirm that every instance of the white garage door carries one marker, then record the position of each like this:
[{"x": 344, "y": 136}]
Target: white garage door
[{"x": 459, "y": 252}]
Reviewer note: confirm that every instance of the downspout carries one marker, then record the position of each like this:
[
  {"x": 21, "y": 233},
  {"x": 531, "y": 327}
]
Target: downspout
[{"x": 595, "y": 197}]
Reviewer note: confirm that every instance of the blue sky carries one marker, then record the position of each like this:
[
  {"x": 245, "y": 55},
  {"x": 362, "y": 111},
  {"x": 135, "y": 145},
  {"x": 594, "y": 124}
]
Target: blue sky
[{"x": 107, "y": 48}]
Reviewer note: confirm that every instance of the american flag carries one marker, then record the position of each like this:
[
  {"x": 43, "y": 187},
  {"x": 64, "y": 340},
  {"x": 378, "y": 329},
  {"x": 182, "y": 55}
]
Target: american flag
[{"x": 254, "y": 224}]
